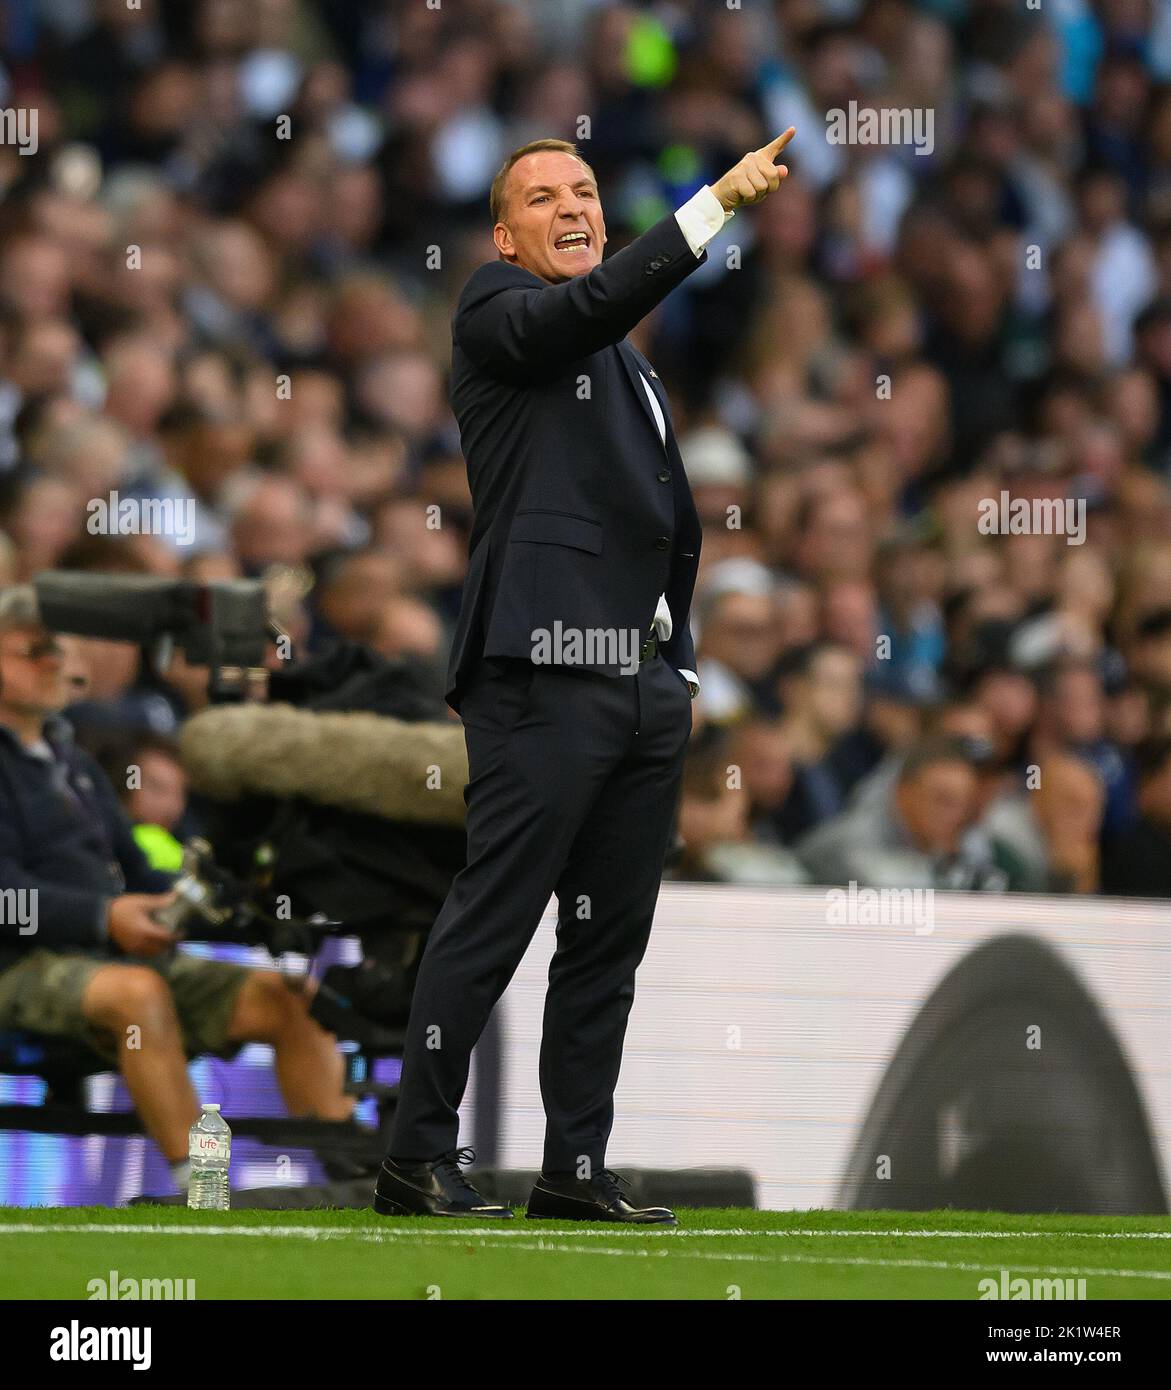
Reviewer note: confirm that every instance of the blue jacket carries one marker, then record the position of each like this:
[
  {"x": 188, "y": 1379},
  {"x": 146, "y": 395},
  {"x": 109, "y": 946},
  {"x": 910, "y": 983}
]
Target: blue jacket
[{"x": 62, "y": 833}]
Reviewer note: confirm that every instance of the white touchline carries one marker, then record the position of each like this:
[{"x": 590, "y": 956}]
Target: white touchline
[
  {"x": 847, "y": 1260},
  {"x": 456, "y": 1232},
  {"x": 538, "y": 1246}
]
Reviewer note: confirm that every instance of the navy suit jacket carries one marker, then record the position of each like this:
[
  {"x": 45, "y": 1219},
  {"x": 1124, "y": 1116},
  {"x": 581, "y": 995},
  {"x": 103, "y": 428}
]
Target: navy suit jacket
[{"x": 582, "y": 515}]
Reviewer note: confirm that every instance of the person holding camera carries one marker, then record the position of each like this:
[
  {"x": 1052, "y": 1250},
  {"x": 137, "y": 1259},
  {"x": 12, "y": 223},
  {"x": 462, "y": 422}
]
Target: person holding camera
[{"x": 82, "y": 955}]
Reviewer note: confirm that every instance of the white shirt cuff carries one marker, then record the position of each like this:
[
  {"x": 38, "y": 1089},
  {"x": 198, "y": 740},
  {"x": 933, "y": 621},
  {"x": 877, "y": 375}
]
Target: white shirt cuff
[
  {"x": 701, "y": 217},
  {"x": 692, "y": 679},
  {"x": 664, "y": 627}
]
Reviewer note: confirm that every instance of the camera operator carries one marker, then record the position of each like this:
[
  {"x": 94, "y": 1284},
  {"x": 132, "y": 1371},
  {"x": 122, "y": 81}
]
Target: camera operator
[{"x": 81, "y": 955}]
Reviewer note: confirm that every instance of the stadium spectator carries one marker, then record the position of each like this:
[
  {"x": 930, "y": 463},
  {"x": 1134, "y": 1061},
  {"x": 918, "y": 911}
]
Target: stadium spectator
[
  {"x": 715, "y": 834},
  {"x": 1138, "y": 863},
  {"x": 151, "y": 785},
  {"x": 918, "y": 836},
  {"x": 1069, "y": 810},
  {"x": 821, "y": 694},
  {"x": 1071, "y": 718}
]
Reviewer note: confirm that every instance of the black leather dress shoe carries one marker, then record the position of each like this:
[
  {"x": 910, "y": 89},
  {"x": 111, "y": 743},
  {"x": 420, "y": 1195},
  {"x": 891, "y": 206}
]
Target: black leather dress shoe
[
  {"x": 436, "y": 1187},
  {"x": 599, "y": 1198}
]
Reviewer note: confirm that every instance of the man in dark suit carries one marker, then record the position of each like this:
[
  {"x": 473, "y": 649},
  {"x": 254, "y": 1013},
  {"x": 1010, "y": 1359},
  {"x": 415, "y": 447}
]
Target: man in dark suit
[{"x": 572, "y": 668}]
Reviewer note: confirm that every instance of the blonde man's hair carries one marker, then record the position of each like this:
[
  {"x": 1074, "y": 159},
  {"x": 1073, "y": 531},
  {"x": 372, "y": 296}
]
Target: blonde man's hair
[{"x": 496, "y": 196}]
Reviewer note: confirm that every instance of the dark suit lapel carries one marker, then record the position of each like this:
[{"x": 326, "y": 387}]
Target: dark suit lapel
[{"x": 633, "y": 365}]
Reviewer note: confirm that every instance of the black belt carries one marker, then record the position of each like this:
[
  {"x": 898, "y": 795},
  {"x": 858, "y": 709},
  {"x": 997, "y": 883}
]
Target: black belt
[{"x": 649, "y": 648}]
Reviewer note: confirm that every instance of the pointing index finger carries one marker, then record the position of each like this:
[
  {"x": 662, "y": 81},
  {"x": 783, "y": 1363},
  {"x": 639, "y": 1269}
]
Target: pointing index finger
[{"x": 774, "y": 147}]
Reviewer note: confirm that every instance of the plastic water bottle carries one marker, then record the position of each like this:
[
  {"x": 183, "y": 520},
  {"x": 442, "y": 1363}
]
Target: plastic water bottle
[{"x": 209, "y": 1149}]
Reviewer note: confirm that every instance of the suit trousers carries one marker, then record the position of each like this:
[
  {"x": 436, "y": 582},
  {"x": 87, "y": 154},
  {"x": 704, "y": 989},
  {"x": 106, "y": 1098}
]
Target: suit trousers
[{"x": 573, "y": 783}]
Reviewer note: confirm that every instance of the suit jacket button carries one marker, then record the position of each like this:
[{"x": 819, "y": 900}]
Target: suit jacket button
[
  {"x": 663, "y": 543},
  {"x": 664, "y": 476}
]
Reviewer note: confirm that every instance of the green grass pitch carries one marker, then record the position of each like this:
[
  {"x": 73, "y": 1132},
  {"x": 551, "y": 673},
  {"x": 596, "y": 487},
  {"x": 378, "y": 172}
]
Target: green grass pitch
[{"x": 714, "y": 1254}]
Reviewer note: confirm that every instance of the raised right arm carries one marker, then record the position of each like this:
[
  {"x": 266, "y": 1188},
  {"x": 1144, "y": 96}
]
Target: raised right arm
[{"x": 514, "y": 326}]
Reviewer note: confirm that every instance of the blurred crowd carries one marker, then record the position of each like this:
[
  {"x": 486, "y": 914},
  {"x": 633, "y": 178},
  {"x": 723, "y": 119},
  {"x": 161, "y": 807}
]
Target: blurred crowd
[{"x": 227, "y": 272}]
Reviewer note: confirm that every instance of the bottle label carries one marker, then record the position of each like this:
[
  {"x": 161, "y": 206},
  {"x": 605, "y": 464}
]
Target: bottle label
[{"x": 208, "y": 1146}]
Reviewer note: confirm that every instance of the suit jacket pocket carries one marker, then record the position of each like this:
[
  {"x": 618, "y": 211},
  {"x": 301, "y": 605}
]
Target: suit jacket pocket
[
  {"x": 557, "y": 528},
  {"x": 499, "y": 693}
]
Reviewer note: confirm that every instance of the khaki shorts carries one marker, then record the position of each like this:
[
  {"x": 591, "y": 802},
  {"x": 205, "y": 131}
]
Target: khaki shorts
[{"x": 43, "y": 993}]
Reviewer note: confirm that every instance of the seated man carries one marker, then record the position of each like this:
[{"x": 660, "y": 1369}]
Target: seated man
[
  {"x": 81, "y": 954},
  {"x": 918, "y": 836},
  {"x": 1138, "y": 862}
]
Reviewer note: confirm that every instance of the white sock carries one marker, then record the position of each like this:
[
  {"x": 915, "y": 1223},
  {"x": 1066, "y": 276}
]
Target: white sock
[{"x": 181, "y": 1174}]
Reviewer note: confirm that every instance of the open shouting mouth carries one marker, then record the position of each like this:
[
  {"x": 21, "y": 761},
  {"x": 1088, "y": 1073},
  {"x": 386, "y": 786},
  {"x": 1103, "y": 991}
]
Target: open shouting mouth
[{"x": 573, "y": 243}]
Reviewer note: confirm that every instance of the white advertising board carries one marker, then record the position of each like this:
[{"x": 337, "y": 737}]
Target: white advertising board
[{"x": 761, "y": 1031}]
